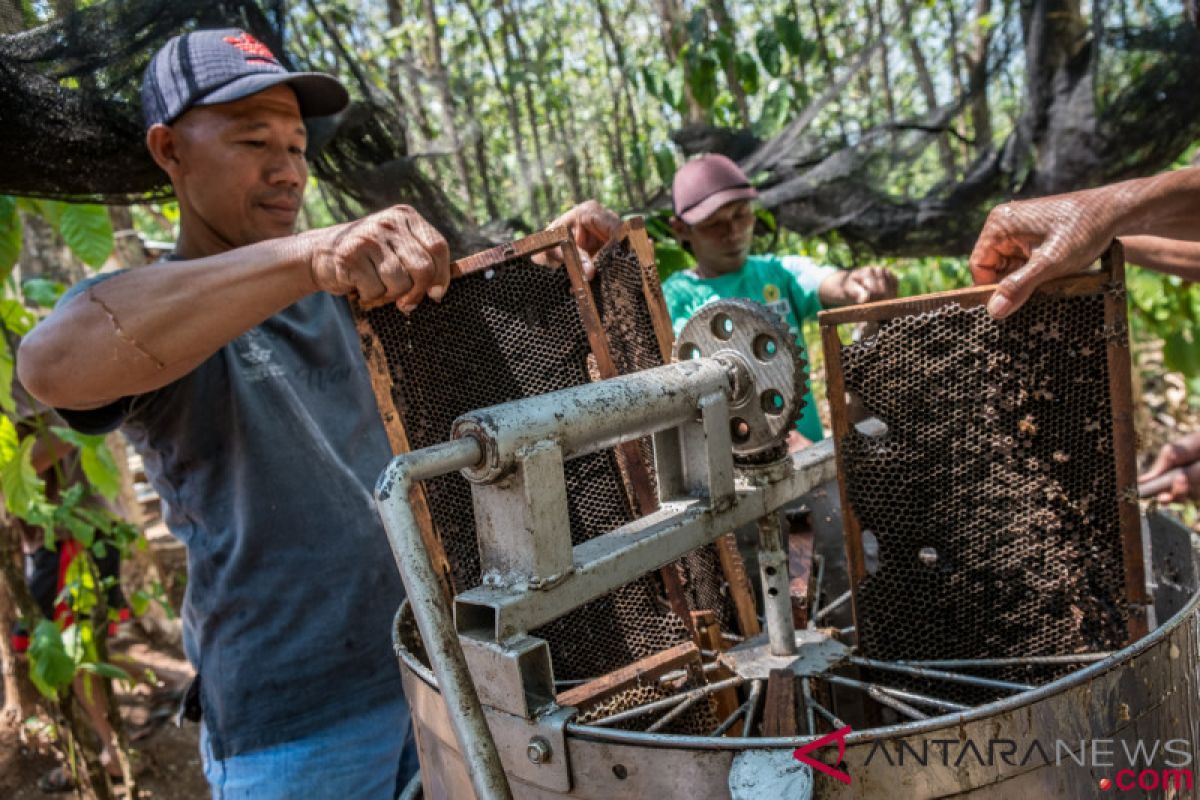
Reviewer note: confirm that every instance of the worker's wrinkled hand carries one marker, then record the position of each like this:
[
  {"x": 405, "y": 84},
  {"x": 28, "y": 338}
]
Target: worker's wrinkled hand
[
  {"x": 592, "y": 225},
  {"x": 390, "y": 256},
  {"x": 1026, "y": 243},
  {"x": 1183, "y": 454}
]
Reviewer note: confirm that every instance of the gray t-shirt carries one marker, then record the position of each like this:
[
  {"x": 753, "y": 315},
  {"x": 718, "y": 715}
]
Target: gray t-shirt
[{"x": 265, "y": 457}]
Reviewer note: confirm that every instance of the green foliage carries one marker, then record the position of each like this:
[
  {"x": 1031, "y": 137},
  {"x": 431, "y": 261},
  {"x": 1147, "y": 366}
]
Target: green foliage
[
  {"x": 18, "y": 480},
  {"x": 43, "y": 292},
  {"x": 51, "y": 667},
  {"x": 85, "y": 228},
  {"x": 702, "y": 68},
  {"x": 97, "y": 460},
  {"x": 10, "y": 235},
  {"x": 766, "y": 41}
]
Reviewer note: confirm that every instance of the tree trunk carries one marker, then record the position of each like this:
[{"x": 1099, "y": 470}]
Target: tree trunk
[
  {"x": 884, "y": 66},
  {"x": 674, "y": 37},
  {"x": 727, "y": 28},
  {"x": 531, "y": 113},
  {"x": 506, "y": 91},
  {"x": 437, "y": 67},
  {"x": 15, "y": 709},
  {"x": 127, "y": 245},
  {"x": 626, "y": 95},
  {"x": 44, "y": 254},
  {"x": 827, "y": 62},
  {"x": 945, "y": 151},
  {"x": 567, "y": 154},
  {"x": 981, "y": 112}
]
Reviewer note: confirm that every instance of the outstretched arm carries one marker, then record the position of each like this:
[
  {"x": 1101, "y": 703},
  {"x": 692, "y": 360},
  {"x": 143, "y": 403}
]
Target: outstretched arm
[
  {"x": 143, "y": 329},
  {"x": 1172, "y": 256},
  {"x": 1026, "y": 243}
]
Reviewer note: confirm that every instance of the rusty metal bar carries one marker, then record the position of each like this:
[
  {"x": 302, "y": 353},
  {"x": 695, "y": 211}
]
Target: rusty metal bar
[
  {"x": 952, "y": 677},
  {"x": 967, "y": 663},
  {"x": 432, "y": 612},
  {"x": 756, "y": 688},
  {"x": 897, "y": 694}
]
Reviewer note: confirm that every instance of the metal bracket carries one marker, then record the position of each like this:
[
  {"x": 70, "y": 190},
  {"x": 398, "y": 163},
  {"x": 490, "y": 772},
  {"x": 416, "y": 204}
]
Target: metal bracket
[
  {"x": 522, "y": 523},
  {"x": 514, "y": 676}
]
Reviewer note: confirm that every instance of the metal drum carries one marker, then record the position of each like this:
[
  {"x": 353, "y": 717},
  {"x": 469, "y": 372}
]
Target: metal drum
[{"x": 1126, "y": 725}]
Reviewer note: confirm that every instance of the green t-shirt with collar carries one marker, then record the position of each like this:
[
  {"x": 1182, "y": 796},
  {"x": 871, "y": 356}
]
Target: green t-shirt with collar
[{"x": 788, "y": 285}]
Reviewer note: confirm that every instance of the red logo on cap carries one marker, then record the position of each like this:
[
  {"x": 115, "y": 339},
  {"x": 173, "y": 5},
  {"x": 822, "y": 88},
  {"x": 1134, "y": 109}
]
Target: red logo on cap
[{"x": 253, "y": 48}]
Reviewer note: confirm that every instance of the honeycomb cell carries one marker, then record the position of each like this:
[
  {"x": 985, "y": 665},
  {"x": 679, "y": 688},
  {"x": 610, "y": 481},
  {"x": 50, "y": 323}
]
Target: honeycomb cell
[
  {"x": 998, "y": 456},
  {"x": 511, "y": 331}
]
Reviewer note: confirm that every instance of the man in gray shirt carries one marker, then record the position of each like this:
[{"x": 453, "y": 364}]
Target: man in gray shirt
[{"x": 234, "y": 367}]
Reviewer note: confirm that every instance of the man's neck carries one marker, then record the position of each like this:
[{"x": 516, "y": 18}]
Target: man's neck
[
  {"x": 708, "y": 273},
  {"x": 192, "y": 244}
]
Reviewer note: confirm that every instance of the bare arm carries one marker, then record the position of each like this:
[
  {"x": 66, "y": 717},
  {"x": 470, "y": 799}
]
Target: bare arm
[
  {"x": 144, "y": 329},
  {"x": 1172, "y": 256},
  {"x": 861, "y": 285},
  {"x": 1029, "y": 242}
]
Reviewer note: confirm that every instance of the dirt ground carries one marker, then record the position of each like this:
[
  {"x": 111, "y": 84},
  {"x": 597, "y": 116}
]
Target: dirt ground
[{"x": 168, "y": 757}]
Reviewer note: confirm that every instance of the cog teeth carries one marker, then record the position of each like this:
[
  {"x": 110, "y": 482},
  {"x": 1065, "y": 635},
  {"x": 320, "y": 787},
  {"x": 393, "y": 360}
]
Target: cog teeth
[{"x": 701, "y": 336}]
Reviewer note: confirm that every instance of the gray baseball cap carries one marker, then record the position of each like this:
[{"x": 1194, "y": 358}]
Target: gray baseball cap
[{"x": 219, "y": 66}]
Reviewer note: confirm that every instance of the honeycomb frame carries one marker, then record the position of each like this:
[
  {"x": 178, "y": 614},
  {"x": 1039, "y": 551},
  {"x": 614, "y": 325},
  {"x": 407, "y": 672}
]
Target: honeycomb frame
[
  {"x": 999, "y": 418},
  {"x": 511, "y": 328}
]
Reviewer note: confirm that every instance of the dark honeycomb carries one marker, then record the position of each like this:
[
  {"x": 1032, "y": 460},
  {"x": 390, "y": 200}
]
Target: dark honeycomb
[
  {"x": 514, "y": 330},
  {"x": 619, "y": 289},
  {"x": 701, "y": 717},
  {"x": 993, "y": 494}
]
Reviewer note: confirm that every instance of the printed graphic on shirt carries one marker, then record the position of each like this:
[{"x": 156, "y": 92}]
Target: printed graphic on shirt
[
  {"x": 770, "y": 293},
  {"x": 255, "y": 352}
]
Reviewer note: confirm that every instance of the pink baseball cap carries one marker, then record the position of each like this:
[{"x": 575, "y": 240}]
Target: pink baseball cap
[{"x": 705, "y": 184}]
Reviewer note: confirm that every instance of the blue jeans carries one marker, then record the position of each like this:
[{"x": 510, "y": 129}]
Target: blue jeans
[{"x": 371, "y": 756}]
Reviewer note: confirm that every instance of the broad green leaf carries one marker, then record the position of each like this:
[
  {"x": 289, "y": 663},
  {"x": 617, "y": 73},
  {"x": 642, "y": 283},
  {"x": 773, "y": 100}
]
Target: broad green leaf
[
  {"x": 723, "y": 48},
  {"x": 664, "y": 163},
  {"x": 16, "y": 317},
  {"x": 788, "y": 32},
  {"x": 50, "y": 667},
  {"x": 747, "y": 72},
  {"x": 43, "y": 292},
  {"x": 1180, "y": 353},
  {"x": 766, "y": 41},
  {"x": 702, "y": 77},
  {"x": 139, "y": 602},
  {"x": 766, "y": 218},
  {"x": 775, "y": 112},
  {"x": 9, "y": 440},
  {"x": 87, "y": 230},
  {"x": 79, "y": 638},
  {"x": 20, "y": 483},
  {"x": 7, "y": 403},
  {"x": 671, "y": 258},
  {"x": 97, "y": 460},
  {"x": 110, "y": 671},
  {"x": 10, "y": 235}
]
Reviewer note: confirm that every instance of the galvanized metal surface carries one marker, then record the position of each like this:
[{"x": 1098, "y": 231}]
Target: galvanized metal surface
[
  {"x": 678, "y": 527},
  {"x": 591, "y": 417},
  {"x": 773, "y": 572},
  {"x": 814, "y": 652},
  {"x": 433, "y": 617},
  {"x": 769, "y": 398},
  {"x": 1149, "y": 691}
]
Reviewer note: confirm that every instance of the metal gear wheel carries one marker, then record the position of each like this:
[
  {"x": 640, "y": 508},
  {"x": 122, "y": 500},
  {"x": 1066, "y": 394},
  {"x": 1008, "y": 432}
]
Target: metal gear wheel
[{"x": 761, "y": 414}]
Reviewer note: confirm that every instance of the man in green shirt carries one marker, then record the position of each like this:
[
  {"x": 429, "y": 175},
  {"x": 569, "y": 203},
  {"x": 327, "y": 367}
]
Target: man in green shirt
[{"x": 714, "y": 219}]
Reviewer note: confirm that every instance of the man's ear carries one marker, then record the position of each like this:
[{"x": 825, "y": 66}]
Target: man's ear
[
  {"x": 163, "y": 144},
  {"x": 680, "y": 229}
]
